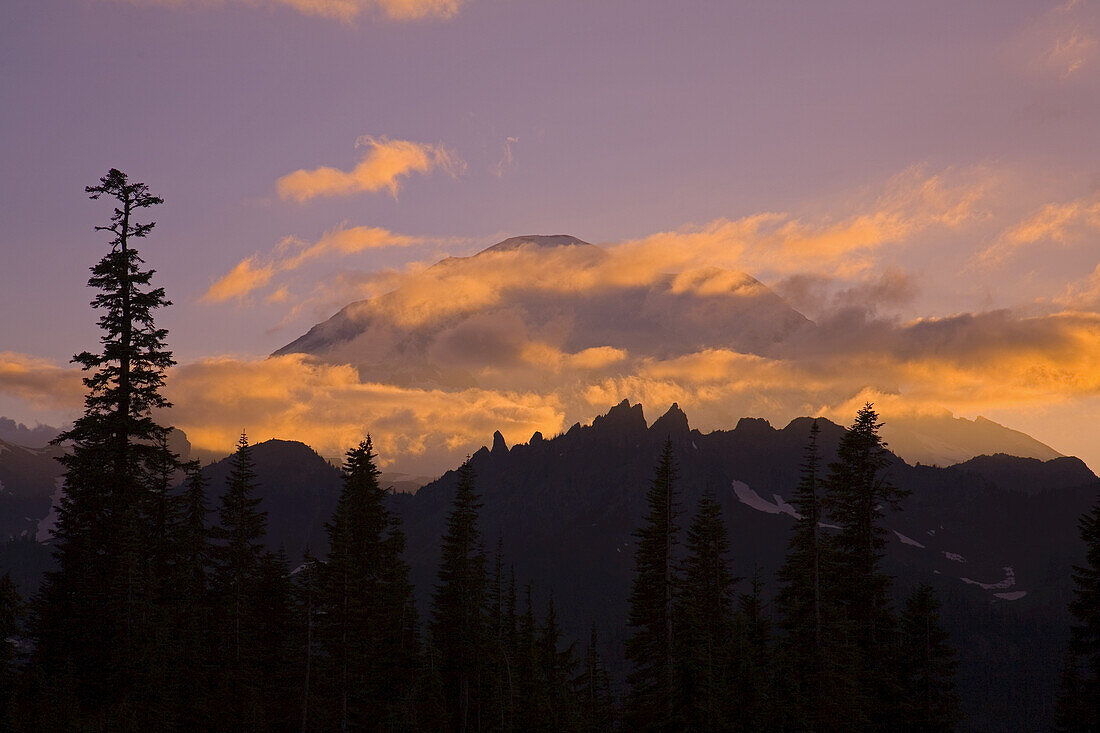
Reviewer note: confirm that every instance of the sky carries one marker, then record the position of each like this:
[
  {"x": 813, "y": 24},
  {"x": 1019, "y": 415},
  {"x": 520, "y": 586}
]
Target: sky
[{"x": 922, "y": 180}]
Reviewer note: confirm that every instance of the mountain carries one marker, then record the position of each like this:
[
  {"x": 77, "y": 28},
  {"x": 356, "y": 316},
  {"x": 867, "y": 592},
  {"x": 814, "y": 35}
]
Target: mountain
[
  {"x": 943, "y": 439},
  {"x": 534, "y": 290},
  {"x": 996, "y": 537}
]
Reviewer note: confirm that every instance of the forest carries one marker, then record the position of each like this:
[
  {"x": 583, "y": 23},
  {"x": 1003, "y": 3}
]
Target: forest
[{"x": 165, "y": 612}]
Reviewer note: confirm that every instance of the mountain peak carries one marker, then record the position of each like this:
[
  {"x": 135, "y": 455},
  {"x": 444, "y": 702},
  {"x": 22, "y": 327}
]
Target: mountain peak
[
  {"x": 622, "y": 416},
  {"x": 499, "y": 446},
  {"x": 541, "y": 241},
  {"x": 673, "y": 422}
]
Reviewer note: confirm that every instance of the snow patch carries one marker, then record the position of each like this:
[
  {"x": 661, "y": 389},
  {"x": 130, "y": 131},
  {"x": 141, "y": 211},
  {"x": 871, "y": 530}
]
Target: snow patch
[
  {"x": 1008, "y": 582},
  {"x": 954, "y": 556},
  {"x": 751, "y": 499},
  {"x": 1011, "y": 596},
  {"x": 907, "y": 541},
  {"x": 827, "y": 526}
]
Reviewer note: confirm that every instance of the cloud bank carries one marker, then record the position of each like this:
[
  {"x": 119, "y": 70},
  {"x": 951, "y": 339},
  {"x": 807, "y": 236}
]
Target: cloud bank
[
  {"x": 382, "y": 168},
  {"x": 346, "y": 11}
]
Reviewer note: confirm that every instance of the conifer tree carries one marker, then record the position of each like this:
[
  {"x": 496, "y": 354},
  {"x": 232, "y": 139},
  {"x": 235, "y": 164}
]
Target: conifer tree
[
  {"x": 192, "y": 585},
  {"x": 597, "y": 704},
  {"x": 1079, "y": 700},
  {"x": 928, "y": 665},
  {"x": 649, "y": 648},
  {"x": 755, "y": 699},
  {"x": 11, "y": 609},
  {"x": 857, "y": 492},
  {"x": 238, "y": 559},
  {"x": 97, "y": 612},
  {"x": 704, "y": 609},
  {"x": 558, "y": 667},
  {"x": 458, "y": 609},
  {"x": 818, "y": 688},
  {"x": 367, "y": 628}
]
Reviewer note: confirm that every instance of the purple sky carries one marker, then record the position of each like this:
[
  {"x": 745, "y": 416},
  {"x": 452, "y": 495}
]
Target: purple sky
[{"x": 609, "y": 120}]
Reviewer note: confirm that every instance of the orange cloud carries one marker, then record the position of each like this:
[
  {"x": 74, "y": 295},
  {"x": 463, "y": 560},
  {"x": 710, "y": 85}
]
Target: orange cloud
[
  {"x": 382, "y": 168},
  {"x": 291, "y": 253},
  {"x": 40, "y": 382},
  {"x": 326, "y": 406},
  {"x": 1066, "y": 224},
  {"x": 346, "y": 11}
]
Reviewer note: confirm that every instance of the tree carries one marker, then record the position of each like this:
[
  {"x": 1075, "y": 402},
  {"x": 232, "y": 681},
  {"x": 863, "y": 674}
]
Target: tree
[
  {"x": 11, "y": 610},
  {"x": 238, "y": 561},
  {"x": 95, "y": 613},
  {"x": 649, "y": 648},
  {"x": 191, "y": 583},
  {"x": 817, "y": 663},
  {"x": 756, "y": 707},
  {"x": 367, "y": 628},
  {"x": 597, "y": 704},
  {"x": 458, "y": 608},
  {"x": 704, "y": 608},
  {"x": 857, "y": 492},
  {"x": 928, "y": 665},
  {"x": 1079, "y": 699}
]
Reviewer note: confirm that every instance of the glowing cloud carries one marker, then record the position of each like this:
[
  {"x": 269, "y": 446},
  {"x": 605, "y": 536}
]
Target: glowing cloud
[
  {"x": 291, "y": 253},
  {"x": 1065, "y": 224},
  {"x": 346, "y": 11},
  {"x": 382, "y": 168}
]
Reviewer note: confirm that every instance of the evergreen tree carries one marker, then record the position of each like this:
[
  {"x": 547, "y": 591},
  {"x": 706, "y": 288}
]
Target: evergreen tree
[
  {"x": 1079, "y": 699},
  {"x": 11, "y": 609},
  {"x": 98, "y": 612},
  {"x": 238, "y": 561},
  {"x": 857, "y": 492},
  {"x": 558, "y": 667},
  {"x": 818, "y": 690},
  {"x": 704, "y": 609},
  {"x": 597, "y": 704},
  {"x": 191, "y": 670},
  {"x": 458, "y": 610},
  {"x": 755, "y": 683},
  {"x": 649, "y": 648},
  {"x": 928, "y": 666},
  {"x": 367, "y": 628}
]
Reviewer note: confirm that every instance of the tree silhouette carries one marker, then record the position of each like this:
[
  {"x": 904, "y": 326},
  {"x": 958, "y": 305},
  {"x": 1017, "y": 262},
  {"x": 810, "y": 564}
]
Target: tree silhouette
[{"x": 651, "y": 701}]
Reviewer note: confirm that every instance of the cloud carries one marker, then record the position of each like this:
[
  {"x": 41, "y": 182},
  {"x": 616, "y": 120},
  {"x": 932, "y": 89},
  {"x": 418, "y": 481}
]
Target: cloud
[
  {"x": 708, "y": 259},
  {"x": 1061, "y": 43},
  {"x": 381, "y": 169},
  {"x": 1083, "y": 295},
  {"x": 1062, "y": 223},
  {"x": 507, "y": 159},
  {"x": 346, "y": 11},
  {"x": 257, "y": 271},
  {"x": 297, "y": 398},
  {"x": 40, "y": 382}
]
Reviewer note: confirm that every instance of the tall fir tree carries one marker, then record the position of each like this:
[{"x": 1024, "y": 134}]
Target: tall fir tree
[
  {"x": 857, "y": 492},
  {"x": 368, "y": 622},
  {"x": 238, "y": 561},
  {"x": 458, "y": 623},
  {"x": 818, "y": 689},
  {"x": 11, "y": 611},
  {"x": 704, "y": 609},
  {"x": 1078, "y": 706},
  {"x": 596, "y": 701},
  {"x": 928, "y": 665},
  {"x": 557, "y": 670},
  {"x": 191, "y": 581},
  {"x": 756, "y": 707},
  {"x": 651, "y": 702},
  {"x": 97, "y": 613}
]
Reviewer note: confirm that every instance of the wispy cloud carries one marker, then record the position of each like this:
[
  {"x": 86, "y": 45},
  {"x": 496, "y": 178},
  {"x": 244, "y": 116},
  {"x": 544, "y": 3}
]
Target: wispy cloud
[
  {"x": 257, "y": 271},
  {"x": 1061, "y": 223},
  {"x": 382, "y": 168},
  {"x": 346, "y": 11}
]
